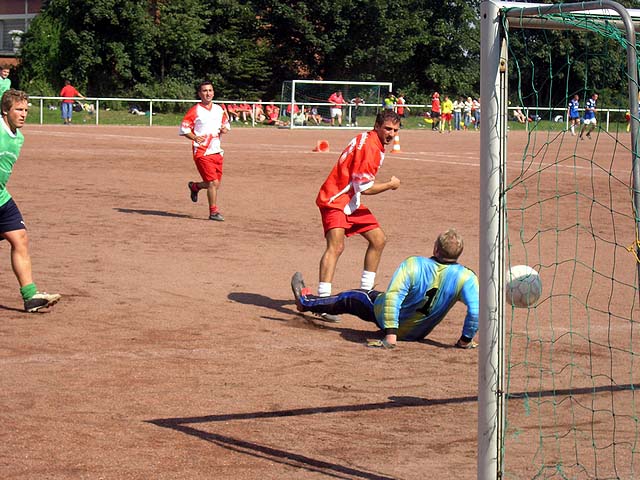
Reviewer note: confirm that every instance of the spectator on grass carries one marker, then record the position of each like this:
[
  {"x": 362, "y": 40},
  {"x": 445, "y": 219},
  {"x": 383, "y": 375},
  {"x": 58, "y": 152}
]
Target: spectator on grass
[
  {"x": 408, "y": 309},
  {"x": 337, "y": 101},
  {"x": 299, "y": 118},
  {"x": 273, "y": 115},
  {"x": 355, "y": 102},
  {"x": 314, "y": 116},
  {"x": 519, "y": 116},
  {"x": 435, "y": 111},
  {"x": 389, "y": 102},
  {"x": 258, "y": 112},
  {"x": 232, "y": 111},
  {"x": 475, "y": 112},
  {"x": 244, "y": 112},
  {"x": 296, "y": 109},
  {"x": 69, "y": 93},
  {"x": 401, "y": 109},
  {"x": 5, "y": 81},
  {"x": 457, "y": 107},
  {"x": 468, "y": 104},
  {"x": 447, "y": 112}
]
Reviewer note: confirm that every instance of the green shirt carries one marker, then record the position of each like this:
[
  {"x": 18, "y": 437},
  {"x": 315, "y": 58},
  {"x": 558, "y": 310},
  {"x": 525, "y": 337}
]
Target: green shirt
[
  {"x": 5, "y": 84},
  {"x": 10, "y": 145}
]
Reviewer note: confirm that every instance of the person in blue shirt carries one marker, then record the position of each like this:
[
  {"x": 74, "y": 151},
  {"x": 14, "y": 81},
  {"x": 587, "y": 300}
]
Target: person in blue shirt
[
  {"x": 573, "y": 113},
  {"x": 419, "y": 296},
  {"x": 589, "y": 119}
]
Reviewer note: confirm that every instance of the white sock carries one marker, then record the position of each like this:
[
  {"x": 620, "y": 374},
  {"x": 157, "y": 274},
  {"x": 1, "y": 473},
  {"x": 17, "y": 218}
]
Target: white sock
[
  {"x": 324, "y": 289},
  {"x": 367, "y": 280}
]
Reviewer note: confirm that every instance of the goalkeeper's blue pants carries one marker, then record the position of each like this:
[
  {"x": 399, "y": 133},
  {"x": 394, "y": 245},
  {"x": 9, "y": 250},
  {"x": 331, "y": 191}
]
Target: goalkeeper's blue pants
[{"x": 355, "y": 302}]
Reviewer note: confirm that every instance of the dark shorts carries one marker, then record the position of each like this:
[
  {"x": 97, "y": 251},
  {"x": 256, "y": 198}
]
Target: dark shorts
[
  {"x": 11, "y": 218},
  {"x": 435, "y": 114}
]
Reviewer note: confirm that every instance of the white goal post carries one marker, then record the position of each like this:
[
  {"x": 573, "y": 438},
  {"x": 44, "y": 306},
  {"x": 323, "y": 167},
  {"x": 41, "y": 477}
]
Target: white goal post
[
  {"x": 496, "y": 18},
  {"x": 314, "y": 94}
]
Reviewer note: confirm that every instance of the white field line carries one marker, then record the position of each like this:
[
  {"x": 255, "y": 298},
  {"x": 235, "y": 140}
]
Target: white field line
[{"x": 442, "y": 158}]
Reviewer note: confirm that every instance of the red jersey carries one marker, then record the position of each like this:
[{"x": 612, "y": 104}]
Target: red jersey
[
  {"x": 354, "y": 173},
  {"x": 200, "y": 120},
  {"x": 337, "y": 100},
  {"x": 435, "y": 105},
  {"x": 69, "y": 91}
]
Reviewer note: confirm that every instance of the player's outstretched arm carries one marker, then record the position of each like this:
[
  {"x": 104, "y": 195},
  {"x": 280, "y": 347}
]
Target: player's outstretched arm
[{"x": 376, "y": 188}]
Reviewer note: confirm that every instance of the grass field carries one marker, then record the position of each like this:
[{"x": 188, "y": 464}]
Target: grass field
[{"x": 118, "y": 114}]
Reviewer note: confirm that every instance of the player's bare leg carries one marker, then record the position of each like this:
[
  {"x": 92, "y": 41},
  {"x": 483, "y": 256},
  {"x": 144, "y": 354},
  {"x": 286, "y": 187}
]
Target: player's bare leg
[
  {"x": 20, "y": 258},
  {"x": 212, "y": 192},
  {"x": 377, "y": 241},
  {"x": 212, "y": 196},
  {"x": 21, "y": 265},
  {"x": 335, "y": 246}
]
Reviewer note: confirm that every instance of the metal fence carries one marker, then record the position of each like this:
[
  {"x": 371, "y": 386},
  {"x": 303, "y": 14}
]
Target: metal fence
[{"x": 151, "y": 105}]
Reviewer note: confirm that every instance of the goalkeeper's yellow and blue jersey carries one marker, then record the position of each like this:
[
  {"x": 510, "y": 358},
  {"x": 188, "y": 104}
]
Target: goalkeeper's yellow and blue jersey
[{"x": 421, "y": 293}]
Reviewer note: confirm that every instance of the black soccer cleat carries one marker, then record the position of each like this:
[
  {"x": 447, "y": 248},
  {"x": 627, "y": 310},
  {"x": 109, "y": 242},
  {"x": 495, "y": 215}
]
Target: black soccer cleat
[
  {"x": 297, "y": 286},
  {"x": 41, "y": 300},
  {"x": 192, "y": 192}
]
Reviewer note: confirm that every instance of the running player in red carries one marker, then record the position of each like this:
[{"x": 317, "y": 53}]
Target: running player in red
[
  {"x": 203, "y": 124},
  {"x": 339, "y": 200}
]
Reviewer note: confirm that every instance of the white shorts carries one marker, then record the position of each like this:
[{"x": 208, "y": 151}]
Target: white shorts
[
  {"x": 589, "y": 121},
  {"x": 336, "y": 112}
]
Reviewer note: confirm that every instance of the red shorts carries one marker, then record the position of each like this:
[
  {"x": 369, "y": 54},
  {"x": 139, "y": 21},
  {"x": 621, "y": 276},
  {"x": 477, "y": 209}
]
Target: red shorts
[
  {"x": 446, "y": 117},
  {"x": 209, "y": 166},
  {"x": 360, "y": 221}
]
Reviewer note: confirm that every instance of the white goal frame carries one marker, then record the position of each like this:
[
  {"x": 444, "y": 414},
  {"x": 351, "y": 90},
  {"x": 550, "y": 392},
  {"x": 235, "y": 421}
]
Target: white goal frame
[
  {"x": 291, "y": 101},
  {"x": 493, "y": 154}
]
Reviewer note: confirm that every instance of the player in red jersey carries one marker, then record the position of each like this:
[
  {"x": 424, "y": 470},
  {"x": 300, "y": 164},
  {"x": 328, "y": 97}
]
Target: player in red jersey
[
  {"x": 339, "y": 200},
  {"x": 203, "y": 124}
]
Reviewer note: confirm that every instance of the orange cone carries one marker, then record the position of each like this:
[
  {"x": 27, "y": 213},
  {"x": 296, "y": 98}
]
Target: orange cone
[
  {"x": 396, "y": 144},
  {"x": 322, "y": 146}
]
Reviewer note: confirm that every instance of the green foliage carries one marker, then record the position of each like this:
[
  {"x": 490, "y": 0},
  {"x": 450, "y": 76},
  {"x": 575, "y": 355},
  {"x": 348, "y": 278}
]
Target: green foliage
[
  {"x": 40, "y": 56},
  {"x": 167, "y": 89},
  {"x": 163, "y": 48}
]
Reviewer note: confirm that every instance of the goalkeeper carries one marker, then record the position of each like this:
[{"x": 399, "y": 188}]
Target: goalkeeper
[{"x": 420, "y": 294}]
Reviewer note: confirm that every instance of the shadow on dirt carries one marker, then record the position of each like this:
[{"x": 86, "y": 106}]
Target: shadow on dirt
[
  {"x": 158, "y": 213},
  {"x": 303, "y": 320},
  {"x": 288, "y": 457}
]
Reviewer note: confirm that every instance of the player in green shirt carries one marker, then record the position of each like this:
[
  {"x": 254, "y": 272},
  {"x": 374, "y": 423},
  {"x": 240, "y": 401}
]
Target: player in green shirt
[{"x": 15, "y": 106}]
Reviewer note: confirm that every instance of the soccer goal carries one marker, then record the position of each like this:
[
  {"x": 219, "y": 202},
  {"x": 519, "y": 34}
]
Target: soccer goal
[
  {"x": 557, "y": 381},
  {"x": 363, "y": 100}
]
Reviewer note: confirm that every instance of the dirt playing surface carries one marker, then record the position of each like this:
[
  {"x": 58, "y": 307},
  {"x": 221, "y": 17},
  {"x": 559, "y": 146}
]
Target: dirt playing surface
[{"x": 176, "y": 351}]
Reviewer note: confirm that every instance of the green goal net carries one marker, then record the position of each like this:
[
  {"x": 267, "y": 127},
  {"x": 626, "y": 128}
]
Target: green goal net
[{"x": 565, "y": 371}]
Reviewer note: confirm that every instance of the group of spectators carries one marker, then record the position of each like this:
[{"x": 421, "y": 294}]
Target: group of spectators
[
  {"x": 460, "y": 114},
  {"x": 270, "y": 114}
]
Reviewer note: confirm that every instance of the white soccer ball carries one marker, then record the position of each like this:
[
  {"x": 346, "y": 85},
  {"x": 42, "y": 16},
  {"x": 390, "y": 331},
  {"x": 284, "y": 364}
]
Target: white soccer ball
[{"x": 524, "y": 286}]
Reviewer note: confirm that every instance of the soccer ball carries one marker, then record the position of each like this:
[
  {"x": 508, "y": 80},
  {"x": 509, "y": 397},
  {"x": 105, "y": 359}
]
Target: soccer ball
[{"x": 524, "y": 286}]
